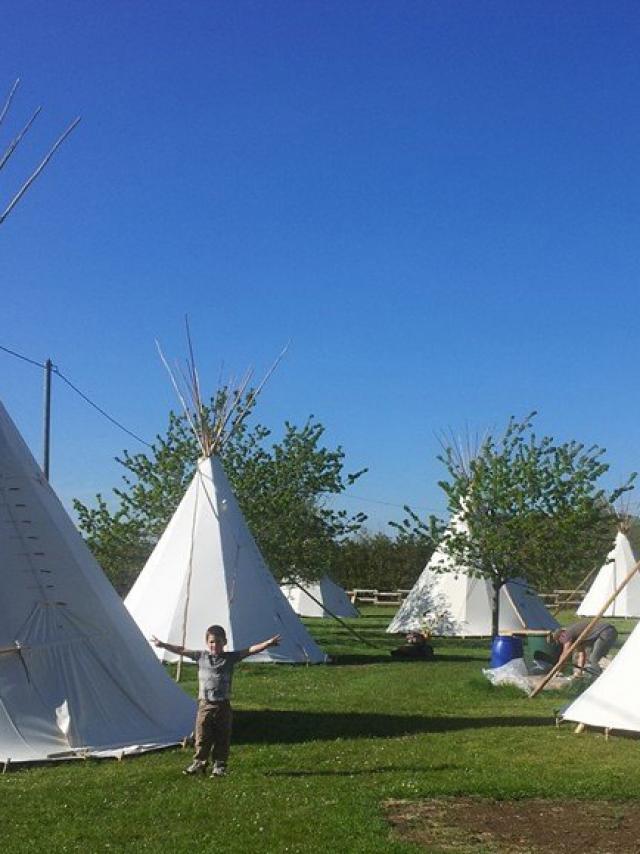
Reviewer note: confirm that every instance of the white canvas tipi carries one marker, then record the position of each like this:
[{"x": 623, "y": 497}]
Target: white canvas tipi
[
  {"x": 77, "y": 677},
  {"x": 612, "y": 701},
  {"x": 206, "y": 569},
  {"x": 619, "y": 563},
  {"x": 454, "y": 603},
  {"x": 323, "y": 593}
]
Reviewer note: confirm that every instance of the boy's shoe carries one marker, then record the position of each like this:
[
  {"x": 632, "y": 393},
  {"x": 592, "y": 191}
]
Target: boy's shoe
[
  {"x": 196, "y": 767},
  {"x": 219, "y": 769}
]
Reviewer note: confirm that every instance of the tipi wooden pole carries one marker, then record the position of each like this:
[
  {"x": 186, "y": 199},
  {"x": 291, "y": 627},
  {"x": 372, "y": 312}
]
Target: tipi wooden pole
[
  {"x": 338, "y": 619},
  {"x": 187, "y": 600},
  {"x": 565, "y": 655},
  {"x": 23, "y": 189}
]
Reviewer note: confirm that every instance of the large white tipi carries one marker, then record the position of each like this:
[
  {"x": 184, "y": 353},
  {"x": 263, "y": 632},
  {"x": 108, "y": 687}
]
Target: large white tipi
[
  {"x": 453, "y": 603},
  {"x": 206, "y": 569},
  {"x": 326, "y": 599},
  {"x": 77, "y": 677},
  {"x": 619, "y": 563}
]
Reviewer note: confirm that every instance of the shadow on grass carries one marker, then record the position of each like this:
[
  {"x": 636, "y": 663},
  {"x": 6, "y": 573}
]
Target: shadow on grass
[
  {"x": 290, "y": 727},
  {"x": 362, "y": 772},
  {"x": 338, "y": 659},
  {"x": 360, "y": 658}
]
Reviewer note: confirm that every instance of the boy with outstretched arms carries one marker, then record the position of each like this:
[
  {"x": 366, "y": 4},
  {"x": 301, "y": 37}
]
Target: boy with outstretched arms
[{"x": 213, "y": 720}]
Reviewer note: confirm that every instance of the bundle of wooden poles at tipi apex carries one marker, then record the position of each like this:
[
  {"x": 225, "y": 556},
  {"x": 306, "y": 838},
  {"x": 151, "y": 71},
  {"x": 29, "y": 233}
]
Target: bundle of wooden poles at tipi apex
[
  {"x": 230, "y": 408},
  {"x": 206, "y": 567},
  {"x": 15, "y": 142}
]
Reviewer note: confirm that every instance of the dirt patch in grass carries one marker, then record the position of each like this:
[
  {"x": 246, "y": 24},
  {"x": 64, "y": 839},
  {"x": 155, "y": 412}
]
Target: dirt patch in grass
[{"x": 480, "y": 825}]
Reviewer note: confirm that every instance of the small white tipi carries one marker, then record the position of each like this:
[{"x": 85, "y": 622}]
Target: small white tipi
[
  {"x": 77, "y": 678},
  {"x": 619, "y": 563},
  {"x": 612, "y": 701},
  {"x": 327, "y": 599},
  {"x": 206, "y": 569},
  {"x": 454, "y": 603}
]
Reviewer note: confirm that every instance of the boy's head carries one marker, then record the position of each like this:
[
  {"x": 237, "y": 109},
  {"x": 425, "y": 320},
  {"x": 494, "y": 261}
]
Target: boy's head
[{"x": 216, "y": 638}]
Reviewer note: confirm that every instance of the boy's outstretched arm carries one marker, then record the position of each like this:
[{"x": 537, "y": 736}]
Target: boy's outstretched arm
[
  {"x": 178, "y": 650},
  {"x": 258, "y": 647}
]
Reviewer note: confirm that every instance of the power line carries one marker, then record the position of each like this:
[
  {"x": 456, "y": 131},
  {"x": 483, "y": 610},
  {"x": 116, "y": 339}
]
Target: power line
[
  {"x": 378, "y": 501},
  {"x": 101, "y": 411},
  {"x": 20, "y": 356},
  {"x": 59, "y": 373}
]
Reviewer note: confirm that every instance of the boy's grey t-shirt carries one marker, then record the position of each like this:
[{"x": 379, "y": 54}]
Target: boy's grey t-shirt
[{"x": 215, "y": 673}]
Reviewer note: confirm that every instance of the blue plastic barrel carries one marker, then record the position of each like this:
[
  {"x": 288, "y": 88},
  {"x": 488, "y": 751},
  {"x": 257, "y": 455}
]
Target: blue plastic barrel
[{"x": 504, "y": 648}]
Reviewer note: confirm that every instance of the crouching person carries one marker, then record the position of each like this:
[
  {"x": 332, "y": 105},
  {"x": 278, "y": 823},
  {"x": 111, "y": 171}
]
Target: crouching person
[
  {"x": 594, "y": 646},
  {"x": 213, "y": 719}
]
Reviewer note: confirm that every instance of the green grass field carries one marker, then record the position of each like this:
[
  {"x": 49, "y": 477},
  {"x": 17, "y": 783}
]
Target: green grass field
[{"x": 316, "y": 752}]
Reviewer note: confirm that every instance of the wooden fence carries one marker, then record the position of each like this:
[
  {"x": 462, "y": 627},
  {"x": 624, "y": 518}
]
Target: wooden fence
[
  {"x": 378, "y": 597},
  {"x": 566, "y": 598}
]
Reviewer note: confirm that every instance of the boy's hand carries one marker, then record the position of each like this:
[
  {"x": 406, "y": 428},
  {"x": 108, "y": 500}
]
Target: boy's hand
[
  {"x": 155, "y": 641},
  {"x": 275, "y": 640}
]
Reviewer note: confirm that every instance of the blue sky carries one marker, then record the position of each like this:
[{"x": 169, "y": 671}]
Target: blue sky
[{"x": 436, "y": 203}]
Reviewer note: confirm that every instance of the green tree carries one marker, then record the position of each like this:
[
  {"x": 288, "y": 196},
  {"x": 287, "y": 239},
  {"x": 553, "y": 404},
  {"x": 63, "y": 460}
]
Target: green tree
[
  {"x": 284, "y": 488},
  {"x": 528, "y": 507},
  {"x": 634, "y": 533},
  {"x": 376, "y": 561}
]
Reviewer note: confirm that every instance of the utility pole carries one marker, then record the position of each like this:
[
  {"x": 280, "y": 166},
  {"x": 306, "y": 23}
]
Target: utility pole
[{"x": 47, "y": 417}]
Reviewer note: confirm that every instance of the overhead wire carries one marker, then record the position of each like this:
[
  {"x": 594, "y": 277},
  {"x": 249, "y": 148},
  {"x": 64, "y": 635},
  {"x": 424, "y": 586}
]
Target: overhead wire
[
  {"x": 81, "y": 394},
  {"x": 20, "y": 356},
  {"x": 100, "y": 410},
  {"x": 347, "y": 494}
]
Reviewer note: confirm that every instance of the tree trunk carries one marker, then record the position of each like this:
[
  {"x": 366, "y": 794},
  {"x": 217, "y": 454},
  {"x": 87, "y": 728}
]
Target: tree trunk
[{"x": 495, "y": 608}]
